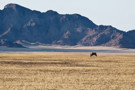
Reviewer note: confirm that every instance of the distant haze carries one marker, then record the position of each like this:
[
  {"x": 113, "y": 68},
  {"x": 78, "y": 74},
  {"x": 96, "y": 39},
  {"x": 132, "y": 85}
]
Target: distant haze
[{"x": 118, "y": 13}]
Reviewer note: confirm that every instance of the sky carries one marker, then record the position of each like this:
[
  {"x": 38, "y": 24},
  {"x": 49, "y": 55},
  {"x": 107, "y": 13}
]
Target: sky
[{"x": 117, "y": 13}]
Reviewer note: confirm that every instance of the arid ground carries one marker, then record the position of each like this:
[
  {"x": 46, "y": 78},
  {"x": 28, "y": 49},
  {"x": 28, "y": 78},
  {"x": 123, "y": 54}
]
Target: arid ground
[{"x": 26, "y": 71}]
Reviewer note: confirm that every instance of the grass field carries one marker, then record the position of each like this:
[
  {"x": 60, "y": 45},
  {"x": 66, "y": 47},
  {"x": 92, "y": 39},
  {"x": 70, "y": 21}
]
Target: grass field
[{"x": 66, "y": 72}]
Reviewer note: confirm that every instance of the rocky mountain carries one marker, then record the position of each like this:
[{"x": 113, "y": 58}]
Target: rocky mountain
[{"x": 20, "y": 24}]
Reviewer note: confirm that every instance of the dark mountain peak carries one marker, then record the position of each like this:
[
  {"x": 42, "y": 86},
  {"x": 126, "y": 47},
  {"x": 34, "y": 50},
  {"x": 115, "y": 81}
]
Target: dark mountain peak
[
  {"x": 51, "y": 12},
  {"x": 131, "y": 31},
  {"x": 11, "y": 5},
  {"x": 109, "y": 27},
  {"x": 15, "y": 7}
]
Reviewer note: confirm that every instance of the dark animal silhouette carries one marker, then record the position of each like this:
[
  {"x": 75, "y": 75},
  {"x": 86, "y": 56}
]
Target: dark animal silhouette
[{"x": 93, "y": 53}]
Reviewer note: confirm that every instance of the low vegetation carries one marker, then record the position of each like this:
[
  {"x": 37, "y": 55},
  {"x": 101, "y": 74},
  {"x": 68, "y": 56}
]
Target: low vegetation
[{"x": 66, "y": 72}]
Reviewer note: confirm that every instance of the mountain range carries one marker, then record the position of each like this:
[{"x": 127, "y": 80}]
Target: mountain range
[{"x": 21, "y": 25}]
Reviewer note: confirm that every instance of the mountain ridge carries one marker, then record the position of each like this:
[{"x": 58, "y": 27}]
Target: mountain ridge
[{"x": 63, "y": 29}]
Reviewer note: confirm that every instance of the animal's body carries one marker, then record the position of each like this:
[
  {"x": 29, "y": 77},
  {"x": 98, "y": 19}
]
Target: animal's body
[{"x": 93, "y": 53}]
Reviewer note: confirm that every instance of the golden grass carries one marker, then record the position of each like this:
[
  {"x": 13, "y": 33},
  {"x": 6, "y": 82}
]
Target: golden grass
[{"x": 66, "y": 72}]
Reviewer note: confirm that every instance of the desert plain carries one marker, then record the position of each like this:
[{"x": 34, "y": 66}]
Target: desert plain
[{"x": 66, "y": 71}]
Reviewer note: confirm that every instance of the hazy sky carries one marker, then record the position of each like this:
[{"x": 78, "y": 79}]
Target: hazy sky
[{"x": 118, "y": 13}]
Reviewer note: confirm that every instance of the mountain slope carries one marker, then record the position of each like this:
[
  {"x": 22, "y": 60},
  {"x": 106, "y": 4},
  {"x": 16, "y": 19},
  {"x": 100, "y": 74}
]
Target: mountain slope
[
  {"x": 21, "y": 24},
  {"x": 7, "y": 43}
]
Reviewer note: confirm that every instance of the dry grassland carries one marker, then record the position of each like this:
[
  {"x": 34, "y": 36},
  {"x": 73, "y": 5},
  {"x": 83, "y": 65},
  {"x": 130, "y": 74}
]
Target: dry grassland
[{"x": 66, "y": 72}]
